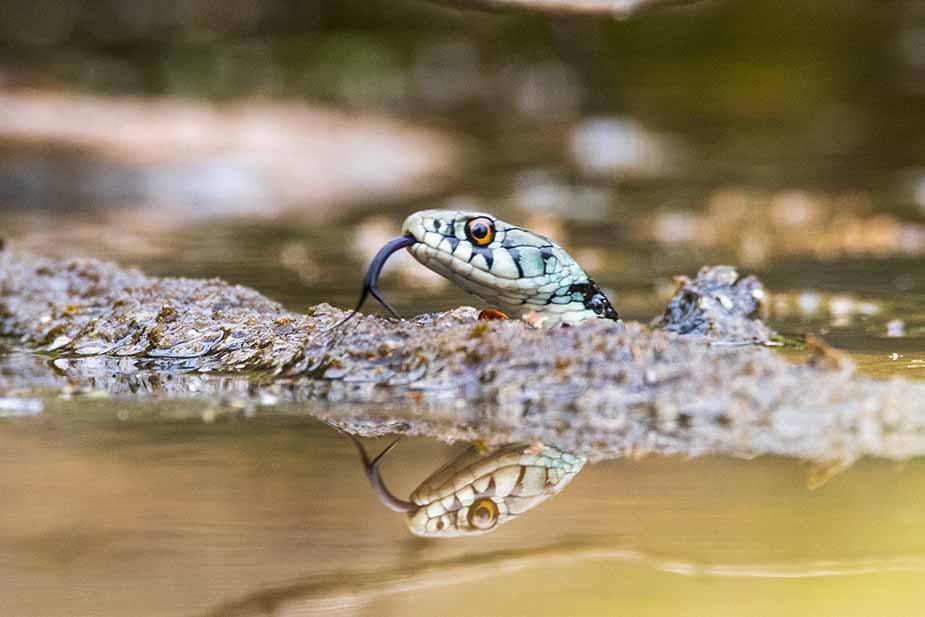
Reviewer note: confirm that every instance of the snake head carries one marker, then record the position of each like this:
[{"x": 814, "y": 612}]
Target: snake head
[
  {"x": 507, "y": 266},
  {"x": 520, "y": 272},
  {"x": 474, "y": 494}
]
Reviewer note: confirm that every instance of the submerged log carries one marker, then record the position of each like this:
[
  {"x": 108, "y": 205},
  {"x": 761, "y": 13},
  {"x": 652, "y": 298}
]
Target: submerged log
[{"x": 602, "y": 389}]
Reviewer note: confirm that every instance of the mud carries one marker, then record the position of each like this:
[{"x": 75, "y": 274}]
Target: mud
[{"x": 602, "y": 390}]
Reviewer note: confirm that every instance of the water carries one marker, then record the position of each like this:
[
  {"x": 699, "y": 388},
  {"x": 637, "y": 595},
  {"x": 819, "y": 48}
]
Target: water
[{"x": 117, "y": 508}]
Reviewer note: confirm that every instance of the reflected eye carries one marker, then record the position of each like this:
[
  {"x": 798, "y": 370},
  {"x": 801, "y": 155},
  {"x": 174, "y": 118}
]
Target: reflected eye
[
  {"x": 481, "y": 231},
  {"x": 483, "y": 514}
]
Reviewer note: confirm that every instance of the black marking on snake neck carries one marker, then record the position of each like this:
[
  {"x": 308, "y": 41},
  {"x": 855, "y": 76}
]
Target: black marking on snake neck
[{"x": 594, "y": 299}]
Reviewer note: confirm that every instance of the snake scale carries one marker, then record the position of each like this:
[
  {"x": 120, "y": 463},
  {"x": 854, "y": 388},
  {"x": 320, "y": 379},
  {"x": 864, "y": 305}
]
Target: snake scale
[
  {"x": 523, "y": 273},
  {"x": 475, "y": 494}
]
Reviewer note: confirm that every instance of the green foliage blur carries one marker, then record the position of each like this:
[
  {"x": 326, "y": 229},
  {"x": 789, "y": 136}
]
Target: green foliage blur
[{"x": 792, "y": 62}]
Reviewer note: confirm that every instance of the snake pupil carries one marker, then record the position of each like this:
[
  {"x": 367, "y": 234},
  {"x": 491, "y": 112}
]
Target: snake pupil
[
  {"x": 480, "y": 231},
  {"x": 483, "y": 514}
]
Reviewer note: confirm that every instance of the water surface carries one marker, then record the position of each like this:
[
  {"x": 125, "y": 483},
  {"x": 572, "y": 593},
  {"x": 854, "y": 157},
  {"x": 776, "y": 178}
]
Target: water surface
[{"x": 118, "y": 508}]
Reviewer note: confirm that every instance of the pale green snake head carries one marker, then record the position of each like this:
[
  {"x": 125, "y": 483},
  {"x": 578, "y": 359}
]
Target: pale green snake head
[
  {"x": 470, "y": 497},
  {"x": 520, "y": 272},
  {"x": 475, "y": 494}
]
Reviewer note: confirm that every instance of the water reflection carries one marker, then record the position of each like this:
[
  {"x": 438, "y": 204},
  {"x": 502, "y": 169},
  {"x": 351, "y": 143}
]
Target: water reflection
[
  {"x": 133, "y": 508},
  {"x": 477, "y": 492}
]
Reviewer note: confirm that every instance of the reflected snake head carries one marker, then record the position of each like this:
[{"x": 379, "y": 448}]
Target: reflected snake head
[{"x": 474, "y": 494}]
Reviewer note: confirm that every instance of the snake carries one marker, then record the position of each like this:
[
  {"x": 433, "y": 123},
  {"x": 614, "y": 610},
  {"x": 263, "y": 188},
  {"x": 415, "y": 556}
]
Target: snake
[
  {"x": 523, "y": 273},
  {"x": 475, "y": 494}
]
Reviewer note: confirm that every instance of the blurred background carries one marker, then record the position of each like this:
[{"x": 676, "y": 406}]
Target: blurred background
[{"x": 279, "y": 143}]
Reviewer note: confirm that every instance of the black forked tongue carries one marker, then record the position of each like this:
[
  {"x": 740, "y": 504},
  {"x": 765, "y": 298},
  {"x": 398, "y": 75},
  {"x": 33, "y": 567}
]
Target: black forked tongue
[
  {"x": 371, "y": 282},
  {"x": 389, "y": 500}
]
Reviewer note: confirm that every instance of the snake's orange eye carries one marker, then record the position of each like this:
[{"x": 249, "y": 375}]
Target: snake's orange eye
[
  {"x": 483, "y": 514},
  {"x": 481, "y": 231}
]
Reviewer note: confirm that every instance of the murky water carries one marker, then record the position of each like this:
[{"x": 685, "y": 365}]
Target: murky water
[{"x": 112, "y": 508}]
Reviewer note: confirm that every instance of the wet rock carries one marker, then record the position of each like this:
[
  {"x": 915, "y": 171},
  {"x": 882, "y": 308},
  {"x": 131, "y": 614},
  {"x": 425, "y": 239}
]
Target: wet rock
[
  {"x": 602, "y": 389},
  {"x": 718, "y": 304}
]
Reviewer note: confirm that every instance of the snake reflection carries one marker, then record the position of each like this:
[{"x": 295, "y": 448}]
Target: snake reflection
[{"x": 474, "y": 494}]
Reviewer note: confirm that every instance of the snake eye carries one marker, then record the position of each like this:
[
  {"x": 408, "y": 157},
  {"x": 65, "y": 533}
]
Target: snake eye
[
  {"x": 483, "y": 514},
  {"x": 481, "y": 230}
]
